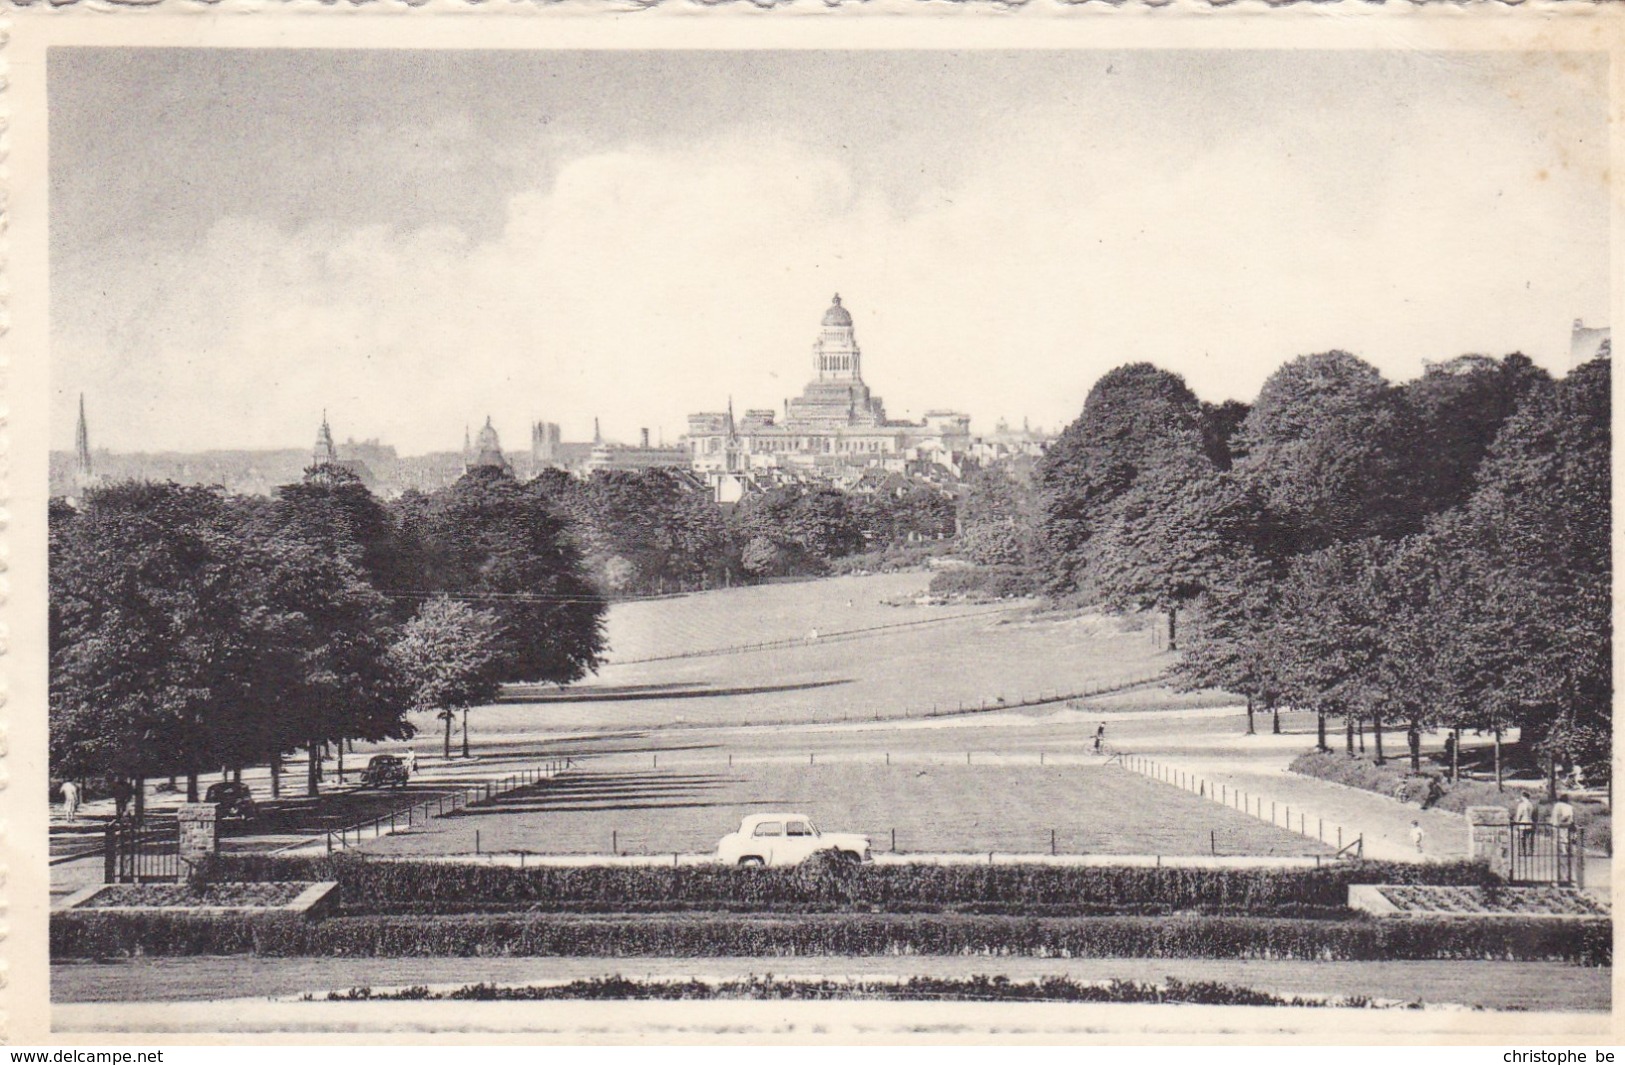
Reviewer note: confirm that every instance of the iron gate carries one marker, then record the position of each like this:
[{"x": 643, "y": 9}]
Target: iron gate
[
  {"x": 139, "y": 852},
  {"x": 1547, "y": 854}
]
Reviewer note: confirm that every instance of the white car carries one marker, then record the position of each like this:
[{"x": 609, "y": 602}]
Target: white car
[{"x": 787, "y": 839}]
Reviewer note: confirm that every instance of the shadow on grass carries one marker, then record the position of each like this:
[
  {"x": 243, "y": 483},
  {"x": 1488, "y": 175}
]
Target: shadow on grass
[{"x": 633, "y": 693}]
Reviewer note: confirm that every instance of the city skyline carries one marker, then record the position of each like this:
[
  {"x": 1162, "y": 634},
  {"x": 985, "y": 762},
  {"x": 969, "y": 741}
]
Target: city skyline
[{"x": 554, "y": 236}]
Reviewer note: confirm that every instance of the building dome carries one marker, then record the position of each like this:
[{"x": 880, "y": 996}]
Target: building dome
[
  {"x": 487, "y": 450},
  {"x": 837, "y": 315}
]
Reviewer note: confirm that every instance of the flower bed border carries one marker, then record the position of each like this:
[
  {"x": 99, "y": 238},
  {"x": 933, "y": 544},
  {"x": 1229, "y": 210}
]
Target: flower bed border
[{"x": 318, "y": 900}]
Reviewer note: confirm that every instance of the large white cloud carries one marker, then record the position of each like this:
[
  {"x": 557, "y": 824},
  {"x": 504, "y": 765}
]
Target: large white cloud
[{"x": 645, "y": 282}]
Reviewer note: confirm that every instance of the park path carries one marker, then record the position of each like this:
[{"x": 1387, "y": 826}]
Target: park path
[{"x": 1259, "y": 764}]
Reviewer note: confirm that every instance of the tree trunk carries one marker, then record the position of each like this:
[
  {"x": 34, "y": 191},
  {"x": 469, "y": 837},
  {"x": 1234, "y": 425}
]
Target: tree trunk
[
  {"x": 447, "y": 715},
  {"x": 341, "y": 761},
  {"x": 1376, "y": 735},
  {"x": 1414, "y": 738},
  {"x": 313, "y": 771},
  {"x": 1455, "y": 755},
  {"x": 465, "y": 732},
  {"x": 141, "y": 798},
  {"x": 1275, "y": 712},
  {"x": 1498, "y": 784},
  {"x": 1359, "y": 732},
  {"x": 276, "y": 774},
  {"x": 1173, "y": 628},
  {"x": 191, "y": 787},
  {"x": 1320, "y": 731},
  {"x": 1250, "y": 729},
  {"x": 1551, "y": 777}
]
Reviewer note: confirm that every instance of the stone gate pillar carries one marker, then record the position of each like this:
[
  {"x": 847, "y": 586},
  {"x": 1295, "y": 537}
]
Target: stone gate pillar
[
  {"x": 1489, "y": 837},
  {"x": 200, "y": 834}
]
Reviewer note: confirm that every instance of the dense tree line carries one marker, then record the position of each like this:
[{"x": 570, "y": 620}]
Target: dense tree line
[
  {"x": 1426, "y": 555},
  {"x": 798, "y": 530},
  {"x": 191, "y": 630}
]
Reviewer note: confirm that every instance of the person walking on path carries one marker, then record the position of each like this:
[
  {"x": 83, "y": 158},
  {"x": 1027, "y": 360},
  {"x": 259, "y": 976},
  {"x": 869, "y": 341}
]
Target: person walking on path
[
  {"x": 70, "y": 800},
  {"x": 1417, "y": 835},
  {"x": 412, "y": 761},
  {"x": 122, "y": 793},
  {"x": 1100, "y": 737}
]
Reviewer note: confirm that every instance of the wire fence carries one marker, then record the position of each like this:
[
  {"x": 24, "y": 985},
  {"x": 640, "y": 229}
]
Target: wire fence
[
  {"x": 1345, "y": 841},
  {"x": 438, "y": 805}
]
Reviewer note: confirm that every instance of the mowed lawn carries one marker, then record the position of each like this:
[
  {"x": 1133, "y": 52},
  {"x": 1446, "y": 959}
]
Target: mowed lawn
[
  {"x": 728, "y": 617},
  {"x": 1092, "y": 809},
  {"x": 909, "y": 672}
]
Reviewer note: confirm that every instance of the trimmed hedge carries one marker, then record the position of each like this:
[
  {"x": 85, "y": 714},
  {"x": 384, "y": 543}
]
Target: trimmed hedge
[
  {"x": 91, "y": 934},
  {"x": 370, "y": 886},
  {"x": 914, "y": 989}
]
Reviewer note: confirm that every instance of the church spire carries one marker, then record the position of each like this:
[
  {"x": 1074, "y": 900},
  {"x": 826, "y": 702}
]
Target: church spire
[
  {"x": 81, "y": 443},
  {"x": 597, "y": 437},
  {"x": 324, "y": 453}
]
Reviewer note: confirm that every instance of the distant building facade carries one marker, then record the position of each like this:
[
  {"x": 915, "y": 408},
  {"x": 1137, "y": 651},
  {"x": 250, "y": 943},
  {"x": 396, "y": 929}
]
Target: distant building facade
[
  {"x": 324, "y": 455},
  {"x": 1587, "y": 343},
  {"x": 833, "y": 430}
]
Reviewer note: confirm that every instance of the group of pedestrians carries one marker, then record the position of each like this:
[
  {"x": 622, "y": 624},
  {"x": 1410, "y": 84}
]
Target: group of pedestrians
[
  {"x": 1524, "y": 821},
  {"x": 73, "y": 796}
]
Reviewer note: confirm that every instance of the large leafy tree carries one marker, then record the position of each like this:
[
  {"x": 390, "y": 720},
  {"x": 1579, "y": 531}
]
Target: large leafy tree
[
  {"x": 446, "y": 657},
  {"x": 1182, "y": 527},
  {"x": 998, "y": 519},
  {"x": 491, "y": 542},
  {"x": 1536, "y": 534},
  {"x": 1457, "y": 408},
  {"x": 1326, "y": 452},
  {"x": 1233, "y": 641},
  {"x": 333, "y": 511},
  {"x": 793, "y": 529},
  {"x": 1331, "y": 619},
  {"x": 151, "y": 639},
  {"x": 1135, "y": 418}
]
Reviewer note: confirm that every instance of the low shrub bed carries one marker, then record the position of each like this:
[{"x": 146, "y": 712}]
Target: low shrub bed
[
  {"x": 1551, "y": 901},
  {"x": 914, "y": 989},
  {"x": 224, "y": 893},
  {"x": 110, "y": 934},
  {"x": 985, "y": 582},
  {"x": 370, "y": 886}
]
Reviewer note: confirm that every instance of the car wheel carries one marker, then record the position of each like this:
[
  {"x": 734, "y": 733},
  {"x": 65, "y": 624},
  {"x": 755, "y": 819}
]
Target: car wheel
[{"x": 752, "y": 861}]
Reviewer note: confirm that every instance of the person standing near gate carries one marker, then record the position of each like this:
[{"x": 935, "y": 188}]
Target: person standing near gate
[
  {"x": 70, "y": 800},
  {"x": 1562, "y": 817},
  {"x": 1523, "y": 822},
  {"x": 122, "y": 794},
  {"x": 411, "y": 761}
]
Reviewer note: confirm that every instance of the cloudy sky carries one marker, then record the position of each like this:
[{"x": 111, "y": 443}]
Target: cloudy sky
[{"x": 414, "y": 240}]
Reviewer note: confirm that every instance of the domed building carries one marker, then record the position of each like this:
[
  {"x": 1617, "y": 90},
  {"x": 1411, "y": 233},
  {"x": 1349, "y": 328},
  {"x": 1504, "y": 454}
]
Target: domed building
[
  {"x": 486, "y": 451},
  {"x": 835, "y": 428}
]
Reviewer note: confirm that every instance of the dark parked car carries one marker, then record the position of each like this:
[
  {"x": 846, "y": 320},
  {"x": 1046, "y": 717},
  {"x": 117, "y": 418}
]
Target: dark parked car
[
  {"x": 385, "y": 771},
  {"x": 233, "y": 799}
]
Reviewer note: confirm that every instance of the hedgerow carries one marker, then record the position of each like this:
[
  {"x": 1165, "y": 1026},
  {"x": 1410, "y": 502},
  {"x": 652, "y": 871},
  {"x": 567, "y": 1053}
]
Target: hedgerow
[
  {"x": 370, "y": 886},
  {"x": 105, "y": 934},
  {"x": 914, "y": 989}
]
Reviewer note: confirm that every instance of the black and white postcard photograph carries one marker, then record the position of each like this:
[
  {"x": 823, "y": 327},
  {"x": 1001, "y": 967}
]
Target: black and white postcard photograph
[{"x": 703, "y": 525}]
